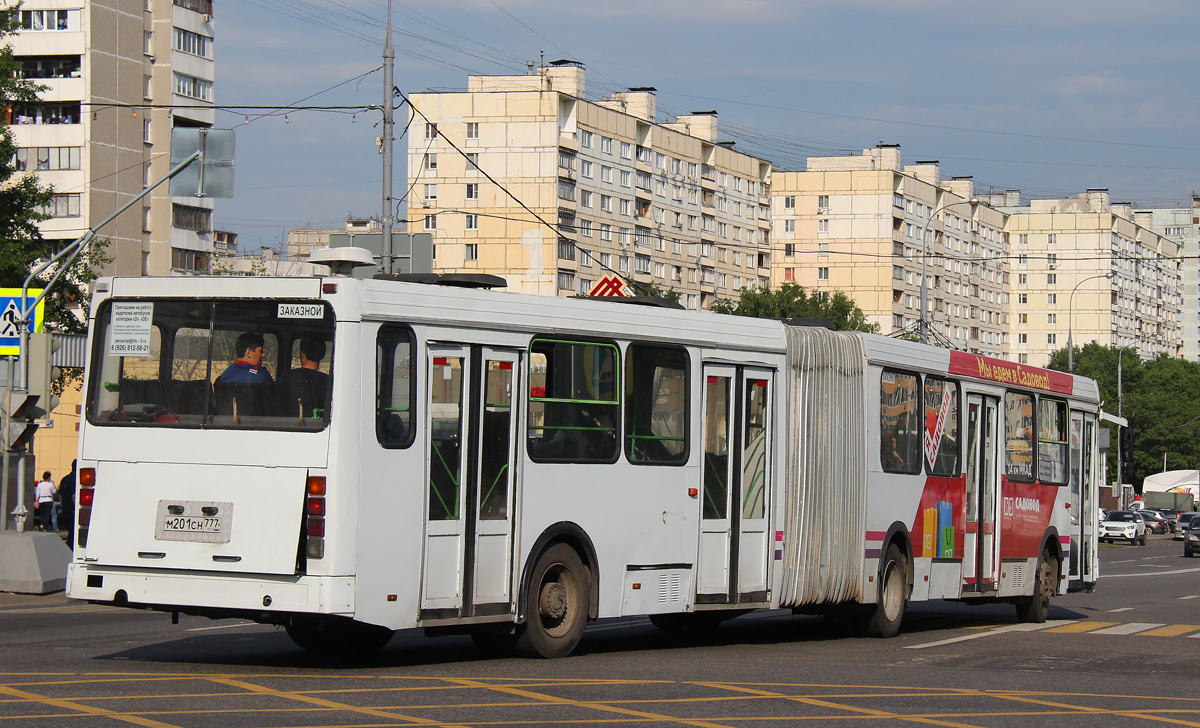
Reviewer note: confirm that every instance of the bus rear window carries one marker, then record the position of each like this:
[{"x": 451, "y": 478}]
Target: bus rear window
[{"x": 213, "y": 364}]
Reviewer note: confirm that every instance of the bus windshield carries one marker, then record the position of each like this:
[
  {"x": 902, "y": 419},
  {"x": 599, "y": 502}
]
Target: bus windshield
[{"x": 248, "y": 364}]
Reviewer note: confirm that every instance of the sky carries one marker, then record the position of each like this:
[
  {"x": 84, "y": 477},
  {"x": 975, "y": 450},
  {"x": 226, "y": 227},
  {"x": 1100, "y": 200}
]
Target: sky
[{"x": 1051, "y": 97}]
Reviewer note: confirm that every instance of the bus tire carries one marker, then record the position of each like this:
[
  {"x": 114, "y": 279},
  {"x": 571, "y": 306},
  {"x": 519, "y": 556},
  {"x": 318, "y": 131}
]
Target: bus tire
[
  {"x": 1035, "y": 608},
  {"x": 337, "y": 636},
  {"x": 556, "y": 605},
  {"x": 888, "y": 611}
]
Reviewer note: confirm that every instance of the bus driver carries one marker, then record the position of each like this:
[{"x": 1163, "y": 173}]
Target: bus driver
[{"x": 247, "y": 369}]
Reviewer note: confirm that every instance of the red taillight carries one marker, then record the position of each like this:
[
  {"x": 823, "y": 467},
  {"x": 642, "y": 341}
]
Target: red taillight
[
  {"x": 85, "y": 517},
  {"x": 86, "y": 495},
  {"x": 87, "y": 477},
  {"x": 314, "y": 516}
]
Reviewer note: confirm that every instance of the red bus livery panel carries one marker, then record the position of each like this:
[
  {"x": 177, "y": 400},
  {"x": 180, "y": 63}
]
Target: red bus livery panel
[{"x": 1006, "y": 372}]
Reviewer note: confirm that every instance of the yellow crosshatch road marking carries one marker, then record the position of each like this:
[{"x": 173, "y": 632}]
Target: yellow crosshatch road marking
[
  {"x": 551, "y": 703},
  {"x": 1080, "y": 627},
  {"x": 1171, "y": 630}
]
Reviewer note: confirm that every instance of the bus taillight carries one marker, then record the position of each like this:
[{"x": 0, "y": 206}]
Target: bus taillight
[
  {"x": 87, "y": 495},
  {"x": 314, "y": 516}
]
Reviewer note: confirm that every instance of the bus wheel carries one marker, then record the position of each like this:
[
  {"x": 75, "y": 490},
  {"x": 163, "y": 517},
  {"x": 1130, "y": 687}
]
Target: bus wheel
[
  {"x": 337, "y": 636},
  {"x": 556, "y": 605},
  {"x": 1035, "y": 608},
  {"x": 893, "y": 594}
]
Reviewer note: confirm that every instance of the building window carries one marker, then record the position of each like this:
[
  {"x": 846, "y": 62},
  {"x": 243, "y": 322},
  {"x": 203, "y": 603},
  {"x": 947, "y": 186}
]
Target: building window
[
  {"x": 789, "y": 274},
  {"x": 66, "y": 205},
  {"x": 606, "y": 203},
  {"x": 605, "y": 232},
  {"x": 626, "y": 150},
  {"x": 1051, "y": 239},
  {"x": 471, "y": 222},
  {"x": 431, "y": 161},
  {"x": 585, "y": 198},
  {"x": 1022, "y": 298},
  {"x": 822, "y": 202},
  {"x": 1022, "y": 318},
  {"x": 191, "y": 218},
  {"x": 606, "y": 145},
  {"x": 585, "y": 168},
  {"x": 430, "y": 193},
  {"x": 1022, "y": 279},
  {"x": 625, "y": 208},
  {"x": 566, "y": 280},
  {"x": 47, "y": 158},
  {"x": 789, "y": 226},
  {"x": 823, "y": 273},
  {"x": 823, "y": 250},
  {"x": 606, "y": 174},
  {"x": 188, "y": 42},
  {"x": 46, "y": 19},
  {"x": 585, "y": 228},
  {"x": 431, "y": 222},
  {"x": 472, "y": 161},
  {"x": 473, "y": 191},
  {"x": 625, "y": 178},
  {"x": 1052, "y": 259},
  {"x": 822, "y": 227},
  {"x": 472, "y": 129},
  {"x": 192, "y": 87},
  {"x": 585, "y": 139},
  {"x": 471, "y": 251},
  {"x": 1051, "y": 279},
  {"x": 1022, "y": 338},
  {"x": 1052, "y": 298},
  {"x": 1051, "y": 338},
  {"x": 430, "y": 130}
]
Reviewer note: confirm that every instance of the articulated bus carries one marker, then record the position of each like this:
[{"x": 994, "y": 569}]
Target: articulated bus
[{"x": 512, "y": 466}]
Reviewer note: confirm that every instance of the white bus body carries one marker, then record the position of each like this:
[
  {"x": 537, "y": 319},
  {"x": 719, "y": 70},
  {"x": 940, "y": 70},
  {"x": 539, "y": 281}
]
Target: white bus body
[{"x": 512, "y": 465}]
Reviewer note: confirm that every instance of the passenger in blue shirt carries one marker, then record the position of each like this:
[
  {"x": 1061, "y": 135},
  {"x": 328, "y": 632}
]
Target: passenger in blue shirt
[{"x": 248, "y": 368}]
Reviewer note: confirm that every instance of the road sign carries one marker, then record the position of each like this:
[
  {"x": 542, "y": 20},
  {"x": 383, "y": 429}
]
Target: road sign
[
  {"x": 10, "y": 317},
  {"x": 608, "y": 286}
]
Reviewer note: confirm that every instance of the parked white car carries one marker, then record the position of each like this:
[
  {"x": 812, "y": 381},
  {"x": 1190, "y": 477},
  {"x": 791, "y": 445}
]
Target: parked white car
[{"x": 1124, "y": 526}]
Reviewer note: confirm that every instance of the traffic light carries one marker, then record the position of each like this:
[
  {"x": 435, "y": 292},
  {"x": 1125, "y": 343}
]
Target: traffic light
[
  {"x": 21, "y": 408},
  {"x": 41, "y": 372},
  {"x": 1126, "y": 455}
]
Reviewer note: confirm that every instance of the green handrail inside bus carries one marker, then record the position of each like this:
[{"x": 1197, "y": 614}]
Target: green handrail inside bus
[
  {"x": 717, "y": 475},
  {"x": 453, "y": 479},
  {"x": 495, "y": 482}
]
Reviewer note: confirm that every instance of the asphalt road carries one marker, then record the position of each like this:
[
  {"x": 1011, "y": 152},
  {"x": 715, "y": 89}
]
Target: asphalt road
[{"x": 1120, "y": 656}]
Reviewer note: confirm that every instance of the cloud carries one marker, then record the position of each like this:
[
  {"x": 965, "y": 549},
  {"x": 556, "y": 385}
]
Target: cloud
[{"x": 1090, "y": 84}]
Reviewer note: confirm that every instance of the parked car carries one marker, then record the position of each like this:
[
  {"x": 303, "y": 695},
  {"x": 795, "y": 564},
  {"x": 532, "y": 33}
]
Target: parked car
[
  {"x": 1124, "y": 526},
  {"x": 1170, "y": 515},
  {"x": 1185, "y": 520},
  {"x": 1154, "y": 522},
  {"x": 1191, "y": 538},
  {"x": 1103, "y": 514}
]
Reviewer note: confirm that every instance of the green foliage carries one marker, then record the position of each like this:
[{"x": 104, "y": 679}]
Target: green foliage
[
  {"x": 649, "y": 289},
  {"x": 792, "y": 301},
  {"x": 1161, "y": 401}
]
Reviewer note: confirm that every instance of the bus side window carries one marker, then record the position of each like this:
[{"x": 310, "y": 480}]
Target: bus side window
[
  {"x": 1018, "y": 436},
  {"x": 1052, "y": 441},
  {"x": 656, "y": 412},
  {"x": 899, "y": 434},
  {"x": 395, "y": 387},
  {"x": 941, "y": 427},
  {"x": 574, "y": 401}
]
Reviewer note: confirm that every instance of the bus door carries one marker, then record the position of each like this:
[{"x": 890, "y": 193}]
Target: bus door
[
  {"x": 469, "y": 488},
  {"x": 734, "y": 539},
  {"x": 1082, "y": 498},
  {"x": 981, "y": 551}
]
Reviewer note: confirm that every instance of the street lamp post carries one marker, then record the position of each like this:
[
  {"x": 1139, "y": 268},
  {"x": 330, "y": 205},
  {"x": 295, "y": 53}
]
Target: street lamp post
[
  {"x": 923, "y": 321},
  {"x": 1071, "y": 319}
]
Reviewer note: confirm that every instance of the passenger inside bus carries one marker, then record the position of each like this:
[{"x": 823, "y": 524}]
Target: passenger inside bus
[
  {"x": 247, "y": 369},
  {"x": 245, "y": 388},
  {"x": 308, "y": 386}
]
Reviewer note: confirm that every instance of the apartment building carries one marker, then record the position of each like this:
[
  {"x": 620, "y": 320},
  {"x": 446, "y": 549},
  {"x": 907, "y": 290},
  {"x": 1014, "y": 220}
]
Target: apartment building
[
  {"x": 522, "y": 177},
  {"x": 873, "y": 228},
  {"x": 1085, "y": 269},
  {"x": 1181, "y": 225},
  {"x": 93, "y": 135}
]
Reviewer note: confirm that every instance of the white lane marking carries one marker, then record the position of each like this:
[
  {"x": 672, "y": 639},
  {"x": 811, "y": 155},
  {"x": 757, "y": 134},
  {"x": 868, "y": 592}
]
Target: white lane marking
[
  {"x": 1147, "y": 558},
  {"x": 1123, "y": 561},
  {"x": 1122, "y": 609},
  {"x": 228, "y": 626},
  {"x": 1153, "y": 573},
  {"x": 1130, "y": 628},
  {"x": 1190, "y": 596},
  {"x": 1019, "y": 627}
]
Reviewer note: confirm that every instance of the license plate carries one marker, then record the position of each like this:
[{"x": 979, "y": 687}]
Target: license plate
[
  {"x": 189, "y": 524},
  {"x": 196, "y": 521}
]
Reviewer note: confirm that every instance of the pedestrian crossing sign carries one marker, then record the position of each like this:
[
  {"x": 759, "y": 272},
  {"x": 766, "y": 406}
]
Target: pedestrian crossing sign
[{"x": 10, "y": 317}]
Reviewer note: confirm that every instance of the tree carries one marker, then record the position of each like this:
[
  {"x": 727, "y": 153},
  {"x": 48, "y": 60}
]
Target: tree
[
  {"x": 23, "y": 200},
  {"x": 653, "y": 291},
  {"x": 792, "y": 301}
]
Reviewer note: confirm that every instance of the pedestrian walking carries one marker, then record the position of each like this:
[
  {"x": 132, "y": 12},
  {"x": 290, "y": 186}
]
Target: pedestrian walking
[
  {"x": 66, "y": 492},
  {"x": 43, "y": 495}
]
